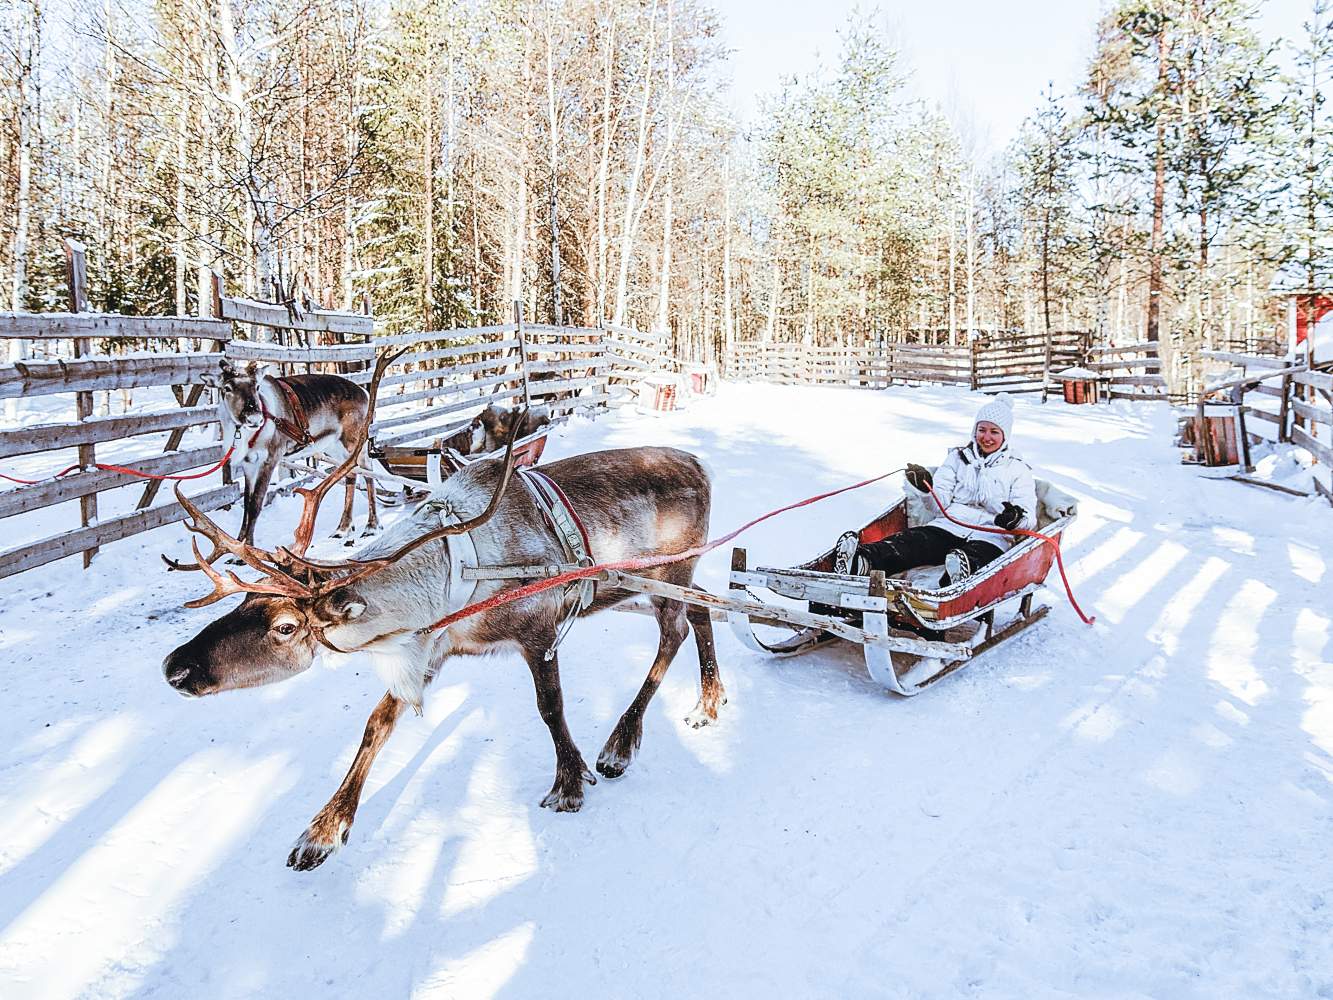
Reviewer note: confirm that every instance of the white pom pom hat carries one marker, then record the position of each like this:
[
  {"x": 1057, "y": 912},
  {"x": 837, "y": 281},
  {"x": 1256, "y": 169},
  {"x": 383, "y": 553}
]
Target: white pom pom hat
[{"x": 997, "y": 410}]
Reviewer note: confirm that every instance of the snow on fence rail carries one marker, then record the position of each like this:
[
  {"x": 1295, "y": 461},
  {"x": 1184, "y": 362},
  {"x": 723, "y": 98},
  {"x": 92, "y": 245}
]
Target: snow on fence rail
[
  {"x": 1278, "y": 400},
  {"x": 438, "y": 387},
  {"x": 1011, "y": 362}
]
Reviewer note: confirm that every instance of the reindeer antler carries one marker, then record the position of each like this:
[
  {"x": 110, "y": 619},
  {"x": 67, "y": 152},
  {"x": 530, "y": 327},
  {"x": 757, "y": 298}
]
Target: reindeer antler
[
  {"x": 463, "y": 527},
  {"x": 276, "y": 580},
  {"x": 305, "y": 531},
  {"x": 361, "y": 569}
]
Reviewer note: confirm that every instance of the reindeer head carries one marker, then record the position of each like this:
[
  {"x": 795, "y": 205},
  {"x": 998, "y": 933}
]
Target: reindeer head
[
  {"x": 238, "y": 393},
  {"x": 299, "y": 605},
  {"x": 346, "y": 607}
]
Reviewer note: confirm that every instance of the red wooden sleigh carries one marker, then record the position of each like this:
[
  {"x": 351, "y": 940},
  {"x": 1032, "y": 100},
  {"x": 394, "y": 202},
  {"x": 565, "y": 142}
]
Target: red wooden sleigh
[{"x": 913, "y": 631}]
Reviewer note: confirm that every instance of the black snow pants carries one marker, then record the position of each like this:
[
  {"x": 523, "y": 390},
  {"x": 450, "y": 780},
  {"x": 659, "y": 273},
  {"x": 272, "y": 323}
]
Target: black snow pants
[{"x": 926, "y": 545}]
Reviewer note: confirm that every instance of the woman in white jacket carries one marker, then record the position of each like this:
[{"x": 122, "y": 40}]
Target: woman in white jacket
[{"x": 981, "y": 482}]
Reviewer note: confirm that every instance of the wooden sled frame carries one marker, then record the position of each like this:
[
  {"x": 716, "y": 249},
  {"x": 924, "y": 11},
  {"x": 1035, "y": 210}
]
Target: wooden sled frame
[{"x": 432, "y": 464}]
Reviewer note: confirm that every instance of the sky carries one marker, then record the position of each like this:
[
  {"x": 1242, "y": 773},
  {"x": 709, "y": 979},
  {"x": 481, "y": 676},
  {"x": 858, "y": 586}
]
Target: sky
[{"x": 985, "y": 62}]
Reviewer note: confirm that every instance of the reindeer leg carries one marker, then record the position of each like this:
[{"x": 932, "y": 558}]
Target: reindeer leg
[
  {"x": 328, "y": 830},
  {"x": 257, "y": 478},
  {"x": 566, "y": 794},
  {"x": 628, "y": 734},
  {"x": 345, "y": 525},
  {"x": 372, "y": 515},
  {"x": 712, "y": 694}
]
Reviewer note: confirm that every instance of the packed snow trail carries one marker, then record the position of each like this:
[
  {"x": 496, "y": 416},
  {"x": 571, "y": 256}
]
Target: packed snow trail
[{"x": 1137, "y": 809}]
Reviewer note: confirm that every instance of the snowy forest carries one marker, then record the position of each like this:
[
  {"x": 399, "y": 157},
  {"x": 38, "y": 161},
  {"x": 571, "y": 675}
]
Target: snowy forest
[{"x": 440, "y": 159}]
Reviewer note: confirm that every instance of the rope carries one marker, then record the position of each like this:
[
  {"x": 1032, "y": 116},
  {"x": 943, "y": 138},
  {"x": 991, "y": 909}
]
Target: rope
[
  {"x": 641, "y": 562},
  {"x": 1059, "y": 559},
  {"x": 120, "y": 468}
]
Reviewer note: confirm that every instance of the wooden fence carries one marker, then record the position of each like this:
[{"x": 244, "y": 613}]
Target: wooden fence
[
  {"x": 1283, "y": 403},
  {"x": 1011, "y": 362},
  {"x": 1130, "y": 371},
  {"x": 445, "y": 379}
]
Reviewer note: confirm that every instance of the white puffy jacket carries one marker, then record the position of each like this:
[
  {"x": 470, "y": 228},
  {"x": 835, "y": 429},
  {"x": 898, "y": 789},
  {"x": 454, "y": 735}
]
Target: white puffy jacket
[{"x": 974, "y": 488}]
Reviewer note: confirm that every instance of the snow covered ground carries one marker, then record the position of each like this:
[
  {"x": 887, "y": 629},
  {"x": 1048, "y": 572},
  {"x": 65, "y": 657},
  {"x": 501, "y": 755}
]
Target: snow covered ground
[{"x": 1137, "y": 809}]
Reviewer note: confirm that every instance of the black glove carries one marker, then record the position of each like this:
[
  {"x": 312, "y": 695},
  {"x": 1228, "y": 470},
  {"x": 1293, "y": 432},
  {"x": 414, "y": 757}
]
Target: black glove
[
  {"x": 919, "y": 478},
  {"x": 1010, "y": 516}
]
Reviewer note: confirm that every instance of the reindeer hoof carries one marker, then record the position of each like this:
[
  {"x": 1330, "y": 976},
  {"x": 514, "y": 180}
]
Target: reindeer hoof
[
  {"x": 703, "y": 714},
  {"x": 566, "y": 796},
  {"x": 563, "y": 802},
  {"x": 309, "y": 852},
  {"x": 612, "y": 763}
]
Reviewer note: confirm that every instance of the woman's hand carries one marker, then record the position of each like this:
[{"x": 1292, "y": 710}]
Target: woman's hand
[
  {"x": 919, "y": 478},
  {"x": 1010, "y": 517}
]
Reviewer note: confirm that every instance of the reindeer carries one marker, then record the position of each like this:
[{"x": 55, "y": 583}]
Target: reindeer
[
  {"x": 631, "y": 501},
  {"x": 499, "y": 424},
  {"x": 271, "y": 418}
]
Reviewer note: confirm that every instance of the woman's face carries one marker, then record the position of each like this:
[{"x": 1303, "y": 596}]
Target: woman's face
[{"x": 989, "y": 437}]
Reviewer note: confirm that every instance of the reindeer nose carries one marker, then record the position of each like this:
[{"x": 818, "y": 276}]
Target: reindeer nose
[{"x": 178, "y": 669}]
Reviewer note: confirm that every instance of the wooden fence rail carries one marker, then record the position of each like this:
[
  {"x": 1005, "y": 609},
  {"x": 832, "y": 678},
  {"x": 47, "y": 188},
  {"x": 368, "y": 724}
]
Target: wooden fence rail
[
  {"x": 1014, "y": 363},
  {"x": 447, "y": 377}
]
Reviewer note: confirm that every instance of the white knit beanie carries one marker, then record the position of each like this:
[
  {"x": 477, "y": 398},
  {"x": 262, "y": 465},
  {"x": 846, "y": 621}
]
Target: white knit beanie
[{"x": 998, "y": 410}]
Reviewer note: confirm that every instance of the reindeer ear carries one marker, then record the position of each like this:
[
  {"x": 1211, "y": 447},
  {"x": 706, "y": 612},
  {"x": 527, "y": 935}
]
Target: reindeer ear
[{"x": 341, "y": 606}]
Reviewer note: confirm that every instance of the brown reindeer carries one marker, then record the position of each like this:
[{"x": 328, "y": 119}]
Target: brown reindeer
[
  {"x": 271, "y": 418},
  {"x": 499, "y": 425},
  {"x": 631, "y": 501}
]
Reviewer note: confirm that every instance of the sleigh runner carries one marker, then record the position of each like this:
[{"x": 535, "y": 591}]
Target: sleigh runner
[{"x": 913, "y": 631}]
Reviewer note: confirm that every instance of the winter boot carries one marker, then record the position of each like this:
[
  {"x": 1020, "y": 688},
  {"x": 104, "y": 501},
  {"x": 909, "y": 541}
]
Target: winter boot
[
  {"x": 957, "y": 566},
  {"x": 846, "y": 560}
]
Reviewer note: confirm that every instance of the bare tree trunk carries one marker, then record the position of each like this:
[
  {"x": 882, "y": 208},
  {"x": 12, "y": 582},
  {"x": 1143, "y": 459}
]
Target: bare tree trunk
[
  {"x": 350, "y": 144},
  {"x": 182, "y": 230},
  {"x": 29, "y": 55},
  {"x": 553, "y": 124},
  {"x": 971, "y": 254},
  {"x": 953, "y": 275},
  {"x": 773, "y": 296},
  {"x": 808, "y": 337},
  {"x": 520, "y": 235},
  {"x": 636, "y": 174},
  {"x": 600, "y": 265},
  {"x": 728, "y": 331},
  {"x": 257, "y": 222},
  {"x": 428, "y": 175},
  {"x": 209, "y": 126},
  {"x": 664, "y": 286},
  {"x": 1158, "y": 196}
]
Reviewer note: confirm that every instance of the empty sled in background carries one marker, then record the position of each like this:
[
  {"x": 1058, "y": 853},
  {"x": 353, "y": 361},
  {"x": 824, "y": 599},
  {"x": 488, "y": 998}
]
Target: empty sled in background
[
  {"x": 434, "y": 463},
  {"x": 912, "y": 631}
]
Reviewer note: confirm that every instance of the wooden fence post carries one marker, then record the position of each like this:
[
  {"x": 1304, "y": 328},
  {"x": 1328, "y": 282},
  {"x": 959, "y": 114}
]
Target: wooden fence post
[
  {"x": 76, "y": 278},
  {"x": 975, "y": 343},
  {"x": 1284, "y": 410}
]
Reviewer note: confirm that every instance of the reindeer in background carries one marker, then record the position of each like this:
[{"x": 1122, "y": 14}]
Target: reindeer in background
[
  {"x": 630, "y": 501},
  {"x": 271, "y": 418}
]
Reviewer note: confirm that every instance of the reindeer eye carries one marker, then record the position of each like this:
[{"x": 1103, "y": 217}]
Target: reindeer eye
[{"x": 286, "y": 628}]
